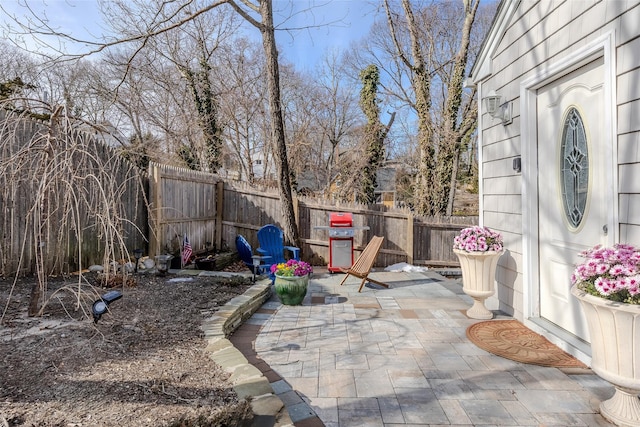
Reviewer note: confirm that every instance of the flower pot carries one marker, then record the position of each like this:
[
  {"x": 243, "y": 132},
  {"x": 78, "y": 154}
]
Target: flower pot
[
  {"x": 614, "y": 330},
  {"x": 291, "y": 290},
  {"x": 478, "y": 276}
]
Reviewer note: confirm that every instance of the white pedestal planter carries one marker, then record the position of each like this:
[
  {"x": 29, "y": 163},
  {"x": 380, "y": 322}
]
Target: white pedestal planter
[
  {"x": 478, "y": 277},
  {"x": 614, "y": 329}
]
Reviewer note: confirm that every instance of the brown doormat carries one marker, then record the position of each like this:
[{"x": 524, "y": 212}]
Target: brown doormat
[{"x": 514, "y": 341}]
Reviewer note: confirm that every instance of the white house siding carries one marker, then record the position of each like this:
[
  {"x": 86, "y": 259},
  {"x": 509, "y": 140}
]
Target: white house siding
[
  {"x": 538, "y": 34},
  {"x": 628, "y": 101}
]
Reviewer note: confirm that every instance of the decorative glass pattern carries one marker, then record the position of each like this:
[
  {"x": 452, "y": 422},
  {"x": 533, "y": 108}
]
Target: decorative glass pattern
[{"x": 574, "y": 169}]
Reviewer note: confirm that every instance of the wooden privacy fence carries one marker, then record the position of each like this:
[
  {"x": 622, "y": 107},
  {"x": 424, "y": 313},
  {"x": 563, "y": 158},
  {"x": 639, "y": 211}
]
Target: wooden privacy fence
[
  {"x": 211, "y": 211},
  {"x": 183, "y": 202},
  {"x": 408, "y": 238},
  {"x": 66, "y": 200},
  {"x": 180, "y": 202}
]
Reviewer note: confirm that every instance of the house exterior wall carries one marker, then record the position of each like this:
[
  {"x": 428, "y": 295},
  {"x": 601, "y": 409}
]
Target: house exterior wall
[
  {"x": 540, "y": 33},
  {"x": 628, "y": 101}
]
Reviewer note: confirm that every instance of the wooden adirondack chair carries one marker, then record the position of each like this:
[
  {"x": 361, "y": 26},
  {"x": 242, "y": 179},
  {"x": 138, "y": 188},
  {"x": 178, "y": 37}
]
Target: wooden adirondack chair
[
  {"x": 271, "y": 240},
  {"x": 246, "y": 255},
  {"x": 362, "y": 267}
]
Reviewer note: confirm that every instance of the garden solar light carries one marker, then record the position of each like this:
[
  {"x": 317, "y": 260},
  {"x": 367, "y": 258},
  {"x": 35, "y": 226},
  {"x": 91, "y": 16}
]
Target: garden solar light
[
  {"x": 162, "y": 263},
  {"x": 256, "y": 259},
  {"x": 137, "y": 254},
  {"x": 101, "y": 305}
]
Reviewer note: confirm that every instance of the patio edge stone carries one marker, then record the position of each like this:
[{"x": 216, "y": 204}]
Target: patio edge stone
[{"x": 247, "y": 380}]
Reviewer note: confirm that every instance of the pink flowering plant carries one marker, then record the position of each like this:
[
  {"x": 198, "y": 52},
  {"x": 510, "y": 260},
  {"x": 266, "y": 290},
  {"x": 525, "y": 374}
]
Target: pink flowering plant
[
  {"x": 611, "y": 273},
  {"x": 478, "y": 239},
  {"x": 292, "y": 268}
]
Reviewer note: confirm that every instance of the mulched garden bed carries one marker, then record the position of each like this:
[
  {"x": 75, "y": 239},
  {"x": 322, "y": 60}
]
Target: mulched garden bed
[{"x": 141, "y": 364}]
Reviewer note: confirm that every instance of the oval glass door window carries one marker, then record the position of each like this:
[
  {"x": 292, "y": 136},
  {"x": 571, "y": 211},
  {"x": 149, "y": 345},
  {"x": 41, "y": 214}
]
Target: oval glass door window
[{"x": 574, "y": 169}]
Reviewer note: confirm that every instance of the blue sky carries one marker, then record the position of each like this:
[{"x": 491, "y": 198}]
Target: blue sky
[{"x": 339, "y": 23}]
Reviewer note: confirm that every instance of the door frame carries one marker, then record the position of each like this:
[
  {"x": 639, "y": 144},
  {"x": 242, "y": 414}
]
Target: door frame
[{"x": 603, "y": 46}]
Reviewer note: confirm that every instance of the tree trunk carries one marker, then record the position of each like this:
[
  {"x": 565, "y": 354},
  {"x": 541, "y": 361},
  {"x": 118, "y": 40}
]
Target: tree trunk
[
  {"x": 449, "y": 145},
  {"x": 439, "y": 147},
  {"x": 277, "y": 122},
  {"x": 452, "y": 184},
  {"x": 422, "y": 87},
  {"x": 373, "y": 139}
]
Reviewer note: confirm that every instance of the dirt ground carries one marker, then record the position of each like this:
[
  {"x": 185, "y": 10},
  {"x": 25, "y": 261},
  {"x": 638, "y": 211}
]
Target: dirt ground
[{"x": 141, "y": 364}]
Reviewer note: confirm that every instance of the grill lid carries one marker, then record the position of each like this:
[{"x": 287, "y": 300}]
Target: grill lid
[{"x": 341, "y": 219}]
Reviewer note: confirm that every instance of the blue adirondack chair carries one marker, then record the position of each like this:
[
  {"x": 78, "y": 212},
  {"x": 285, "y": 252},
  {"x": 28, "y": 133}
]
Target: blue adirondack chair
[
  {"x": 246, "y": 255},
  {"x": 271, "y": 240}
]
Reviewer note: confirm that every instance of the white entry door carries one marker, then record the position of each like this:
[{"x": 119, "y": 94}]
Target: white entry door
[{"x": 574, "y": 197}]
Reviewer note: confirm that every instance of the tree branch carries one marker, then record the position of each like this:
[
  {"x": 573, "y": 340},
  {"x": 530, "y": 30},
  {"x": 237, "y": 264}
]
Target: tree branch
[
  {"x": 244, "y": 13},
  {"x": 396, "y": 43},
  {"x": 44, "y": 29}
]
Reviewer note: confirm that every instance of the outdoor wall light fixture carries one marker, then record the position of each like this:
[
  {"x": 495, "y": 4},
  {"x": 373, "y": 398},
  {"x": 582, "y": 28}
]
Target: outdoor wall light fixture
[{"x": 496, "y": 109}]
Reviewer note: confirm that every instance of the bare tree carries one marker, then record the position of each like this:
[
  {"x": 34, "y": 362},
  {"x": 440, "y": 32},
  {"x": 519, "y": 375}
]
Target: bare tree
[
  {"x": 16, "y": 63},
  {"x": 172, "y": 15},
  {"x": 259, "y": 14},
  {"x": 298, "y": 96},
  {"x": 421, "y": 82},
  {"x": 422, "y": 53},
  {"x": 244, "y": 110},
  {"x": 190, "y": 48},
  {"x": 441, "y": 143},
  {"x": 264, "y": 23},
  {"x": 53, "y": 173},
  {"x": 336, "y": 113}
]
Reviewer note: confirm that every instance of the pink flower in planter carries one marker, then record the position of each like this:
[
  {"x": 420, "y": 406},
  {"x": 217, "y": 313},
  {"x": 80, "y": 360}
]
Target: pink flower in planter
[
  {"x": 292, "y": 268},
  {"x": 610, "y": 273},
  {"x": 478, "y": 239}
]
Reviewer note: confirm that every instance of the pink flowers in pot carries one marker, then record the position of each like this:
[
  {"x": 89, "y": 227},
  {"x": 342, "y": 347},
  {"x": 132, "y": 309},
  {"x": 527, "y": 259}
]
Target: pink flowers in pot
[
  {"x": 611, "y": 273},
  {"x": 478, "y": 239},
  {"x": 292, "y": 268}
]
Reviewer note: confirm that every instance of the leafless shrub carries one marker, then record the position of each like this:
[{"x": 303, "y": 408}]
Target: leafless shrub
[{"x": 66, "y": 198}]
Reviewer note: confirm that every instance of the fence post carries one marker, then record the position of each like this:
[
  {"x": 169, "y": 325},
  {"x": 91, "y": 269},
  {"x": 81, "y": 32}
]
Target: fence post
[
  {"x": 410, "y": 250},
  {"x": 155, "y": 198},
  {"x": 219, "y": 212}
]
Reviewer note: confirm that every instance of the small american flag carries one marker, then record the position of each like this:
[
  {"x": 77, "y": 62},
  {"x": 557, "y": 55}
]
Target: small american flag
[{"x": 186, "y": 250}]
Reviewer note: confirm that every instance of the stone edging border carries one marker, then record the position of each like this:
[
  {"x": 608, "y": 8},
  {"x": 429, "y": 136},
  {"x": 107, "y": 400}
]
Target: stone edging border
[{"x": 247, "y": 380}]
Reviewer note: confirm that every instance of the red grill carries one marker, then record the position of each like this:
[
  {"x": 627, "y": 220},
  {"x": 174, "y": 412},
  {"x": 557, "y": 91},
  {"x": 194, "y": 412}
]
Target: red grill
[
  {"x": 341, "y": 231},
  {"x": 340, "y": 241}
]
